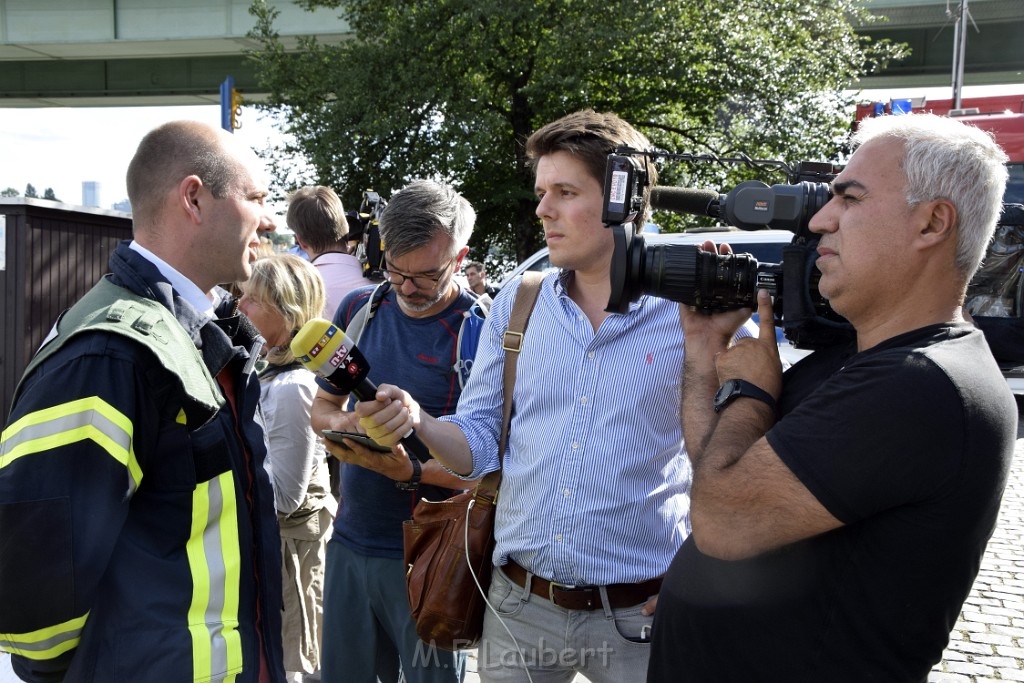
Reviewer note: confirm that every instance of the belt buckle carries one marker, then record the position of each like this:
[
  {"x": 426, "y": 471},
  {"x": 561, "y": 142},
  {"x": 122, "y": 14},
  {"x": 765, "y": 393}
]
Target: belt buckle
[
  {"x": 588, "y": 602},
  {"x": 552, "y": 585}
]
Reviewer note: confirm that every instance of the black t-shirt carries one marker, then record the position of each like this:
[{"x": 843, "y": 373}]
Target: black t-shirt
[
  {"x": 909, "y": 445},
  {"x": 1005, "y": 337}
]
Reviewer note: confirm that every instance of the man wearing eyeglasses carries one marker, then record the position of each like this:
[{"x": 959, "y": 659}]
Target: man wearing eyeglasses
[
  {"x": 594, "y": 496},
  {"x": 410, "y": 339}
]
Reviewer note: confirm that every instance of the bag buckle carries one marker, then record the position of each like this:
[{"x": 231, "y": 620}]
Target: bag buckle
[{"x": 512, "y": 341}]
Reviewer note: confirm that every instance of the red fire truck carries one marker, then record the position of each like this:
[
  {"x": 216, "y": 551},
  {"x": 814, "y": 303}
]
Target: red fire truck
[
  {"x": 1001, "y": 115},
  {"x": 996, "y": 295}
]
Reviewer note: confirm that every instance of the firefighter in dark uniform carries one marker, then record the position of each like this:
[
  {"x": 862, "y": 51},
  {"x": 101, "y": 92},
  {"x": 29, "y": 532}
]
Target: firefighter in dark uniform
[{"x": 138, "y": 538}]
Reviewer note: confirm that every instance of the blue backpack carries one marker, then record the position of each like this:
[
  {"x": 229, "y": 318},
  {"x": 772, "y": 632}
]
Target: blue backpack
[{"x": 469, "y": 332}]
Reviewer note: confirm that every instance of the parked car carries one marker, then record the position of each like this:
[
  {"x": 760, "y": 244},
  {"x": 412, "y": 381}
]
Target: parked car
[
  {"x": 995, "y": 297},
  {"x": 765, "y": 245}
]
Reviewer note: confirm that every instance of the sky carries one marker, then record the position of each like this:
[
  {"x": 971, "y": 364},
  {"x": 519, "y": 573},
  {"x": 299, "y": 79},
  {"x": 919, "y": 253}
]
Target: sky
[{"x": 60, "y": 147}]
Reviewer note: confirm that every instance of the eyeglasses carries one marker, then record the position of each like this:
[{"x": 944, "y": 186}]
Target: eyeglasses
[{"x": 420, "y": 280}]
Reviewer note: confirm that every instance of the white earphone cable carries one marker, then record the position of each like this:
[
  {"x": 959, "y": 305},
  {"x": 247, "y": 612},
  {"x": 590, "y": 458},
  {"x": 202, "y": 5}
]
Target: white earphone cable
[{"x": 469, "y": 563}]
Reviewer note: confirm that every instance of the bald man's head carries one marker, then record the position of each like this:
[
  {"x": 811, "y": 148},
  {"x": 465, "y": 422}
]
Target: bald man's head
[{"x": 175, "y": 151}]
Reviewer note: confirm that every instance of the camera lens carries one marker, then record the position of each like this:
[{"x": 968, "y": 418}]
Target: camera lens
[
  {"x": 686, "y": 274},
  {"x": 711, "y": 282},
  {"x": 673, "y": 272}
]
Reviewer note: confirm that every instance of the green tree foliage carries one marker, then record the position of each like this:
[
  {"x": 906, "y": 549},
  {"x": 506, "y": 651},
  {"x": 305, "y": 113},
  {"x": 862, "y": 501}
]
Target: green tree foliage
[
  {"x": 280, "y": 238},
  {"x": 9, "y": 192},
  {"x": 30, "y": 191},
  {"x": 451, "y": 89},
  {"x": 49, "y": 194}
]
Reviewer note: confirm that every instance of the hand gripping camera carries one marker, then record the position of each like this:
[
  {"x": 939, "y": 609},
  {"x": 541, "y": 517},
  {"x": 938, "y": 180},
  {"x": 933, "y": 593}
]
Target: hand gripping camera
[{"x": 719, "y": 282}]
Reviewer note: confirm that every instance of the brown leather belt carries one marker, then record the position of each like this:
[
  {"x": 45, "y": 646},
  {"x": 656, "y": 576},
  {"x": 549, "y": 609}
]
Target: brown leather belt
[{"x": 585, "y": 597}]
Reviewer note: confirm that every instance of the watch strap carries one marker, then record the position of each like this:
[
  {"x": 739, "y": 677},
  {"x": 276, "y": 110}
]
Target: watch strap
[
  {"x": 734, "y": 388},
  {"x": 414, "y": 481}
]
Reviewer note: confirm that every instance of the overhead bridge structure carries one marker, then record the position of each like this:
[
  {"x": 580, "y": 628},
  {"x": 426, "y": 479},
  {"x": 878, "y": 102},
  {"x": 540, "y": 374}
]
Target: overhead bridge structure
[
  {"x": 138, "y": 52},
  {"x": 160, "y": 52}
]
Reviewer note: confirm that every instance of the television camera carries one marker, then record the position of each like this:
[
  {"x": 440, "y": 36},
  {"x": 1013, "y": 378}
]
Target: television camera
[
  {"x": 718, "y": 282},
  {"x": 364, "y": 226}
]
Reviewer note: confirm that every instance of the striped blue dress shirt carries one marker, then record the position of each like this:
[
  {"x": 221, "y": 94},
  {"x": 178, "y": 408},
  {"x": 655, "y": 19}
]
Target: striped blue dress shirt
[{"x": 596, "y": 479}]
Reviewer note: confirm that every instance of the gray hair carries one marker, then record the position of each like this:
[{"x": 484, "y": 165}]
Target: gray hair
[
  {"x": 421, "y": 211},
  {"x": 946, "y": 159}
]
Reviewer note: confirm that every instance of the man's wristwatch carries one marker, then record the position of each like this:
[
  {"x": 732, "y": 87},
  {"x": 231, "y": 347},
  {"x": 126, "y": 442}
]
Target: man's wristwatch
[
  {"x": 414, "y": 482},
  {"x": 732, "y": 389}
]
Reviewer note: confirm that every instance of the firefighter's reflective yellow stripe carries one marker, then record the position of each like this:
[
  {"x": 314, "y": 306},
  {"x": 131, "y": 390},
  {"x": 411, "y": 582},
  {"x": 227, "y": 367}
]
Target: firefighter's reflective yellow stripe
[
  {"x": 46, "y": 643},
  {"x": 89, "y": 418},
  {"x": 214, "y": 560}
]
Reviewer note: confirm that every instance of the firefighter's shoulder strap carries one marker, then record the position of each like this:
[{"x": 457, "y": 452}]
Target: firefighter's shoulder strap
[{"x": 110, "y": 308}]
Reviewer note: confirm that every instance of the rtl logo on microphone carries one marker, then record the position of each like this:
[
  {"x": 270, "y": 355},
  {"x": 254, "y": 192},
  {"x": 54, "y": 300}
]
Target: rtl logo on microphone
[
  {"x": 341, "y": 356},
  {"x": 317, "y": 348}
]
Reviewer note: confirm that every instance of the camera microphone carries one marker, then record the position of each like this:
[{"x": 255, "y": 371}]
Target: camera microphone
[
  {"x": 325, "y": 350},
  {"x": 686, "y": 200}
]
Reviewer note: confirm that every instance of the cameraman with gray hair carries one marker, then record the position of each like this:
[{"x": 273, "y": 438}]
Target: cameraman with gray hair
[
  {"x": 368, "y": 627},
  {"x": 840, "y": 511}
]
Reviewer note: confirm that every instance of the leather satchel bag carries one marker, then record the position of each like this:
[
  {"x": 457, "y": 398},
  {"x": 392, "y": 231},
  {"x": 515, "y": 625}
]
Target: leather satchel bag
[{"x": 448, "y": 544}]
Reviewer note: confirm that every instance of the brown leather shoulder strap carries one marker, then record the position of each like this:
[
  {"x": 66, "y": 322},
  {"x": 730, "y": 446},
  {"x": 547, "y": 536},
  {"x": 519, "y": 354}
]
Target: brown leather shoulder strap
[{"x": 526, "y": 298}]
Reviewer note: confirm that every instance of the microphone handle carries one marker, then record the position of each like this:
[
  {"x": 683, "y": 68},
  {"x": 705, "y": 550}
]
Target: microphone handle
[
  {"x": 367, "y": 391},
  {"x": 413, "y": 444}
]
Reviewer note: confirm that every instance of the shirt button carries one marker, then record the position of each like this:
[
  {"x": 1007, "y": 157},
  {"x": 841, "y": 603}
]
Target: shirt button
[
  {"x": 590, "y": 355},
  {"x": 558, "y": 537},
  {"x": 575, "y": 445},
  {"x": 565, "y": 493},
  {"x": 583, "y": 399}
]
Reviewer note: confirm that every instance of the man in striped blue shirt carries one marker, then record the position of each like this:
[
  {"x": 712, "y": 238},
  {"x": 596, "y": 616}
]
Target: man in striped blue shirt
[{"x": 594, "y": 500}]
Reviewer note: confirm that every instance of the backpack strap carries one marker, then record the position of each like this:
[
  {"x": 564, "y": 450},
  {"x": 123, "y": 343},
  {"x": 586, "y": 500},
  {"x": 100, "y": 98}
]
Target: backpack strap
[
  {"x": 355, "y": 327},
  {"x": 473, "y": 320},
  {"x": 526, "y": 298},
  {"x": 483, "y": 304}
]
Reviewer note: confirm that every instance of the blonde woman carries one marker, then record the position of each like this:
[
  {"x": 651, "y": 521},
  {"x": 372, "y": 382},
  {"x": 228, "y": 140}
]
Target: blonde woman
[{"x": 284, "y": 293}]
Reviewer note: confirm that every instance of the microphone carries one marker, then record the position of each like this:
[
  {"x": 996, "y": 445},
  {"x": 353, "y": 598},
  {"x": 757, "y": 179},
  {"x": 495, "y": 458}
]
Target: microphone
[
  {"x": 686, "y": 200},
  {"x": 325, "y": 350}
]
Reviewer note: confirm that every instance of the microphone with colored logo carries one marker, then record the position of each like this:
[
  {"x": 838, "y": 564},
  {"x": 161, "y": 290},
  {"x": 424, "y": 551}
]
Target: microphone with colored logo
[{"x": 325, "y": 350}]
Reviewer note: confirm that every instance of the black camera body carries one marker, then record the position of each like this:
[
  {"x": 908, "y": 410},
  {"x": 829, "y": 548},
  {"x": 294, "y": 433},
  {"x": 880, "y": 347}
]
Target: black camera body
[
  {"x": 364, "y": 225},
  {"x": 719, "y": 282}
]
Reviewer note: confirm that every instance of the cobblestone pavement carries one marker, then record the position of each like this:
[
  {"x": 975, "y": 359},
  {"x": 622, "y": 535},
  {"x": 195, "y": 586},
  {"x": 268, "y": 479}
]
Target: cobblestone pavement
[{"x": 987, "y": 643}]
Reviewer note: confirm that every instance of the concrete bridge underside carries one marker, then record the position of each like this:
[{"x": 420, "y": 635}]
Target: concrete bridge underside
[
  {"x": 160, "y": 52},
  {"x": 137, "y": 52}
]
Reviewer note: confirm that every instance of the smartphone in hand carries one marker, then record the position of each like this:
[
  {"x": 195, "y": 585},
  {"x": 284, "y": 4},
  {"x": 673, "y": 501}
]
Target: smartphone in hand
[{"x": 363, "y": 439}]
